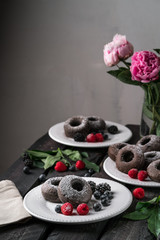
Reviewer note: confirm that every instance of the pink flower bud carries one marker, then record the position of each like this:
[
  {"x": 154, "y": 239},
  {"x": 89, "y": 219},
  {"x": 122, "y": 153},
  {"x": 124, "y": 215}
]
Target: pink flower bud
[{"x": 118, "y": 49}]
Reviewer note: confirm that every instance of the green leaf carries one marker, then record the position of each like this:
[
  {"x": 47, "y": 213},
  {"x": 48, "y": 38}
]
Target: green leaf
[
  {"x": 84, "y": 154},
  {"x": 92, "y": 165},
  {"x": 37, "y": 154},
  {"x": 140, "y": 214},
  {"x": 114, "y": 73},
  {"x": 38, "y": 164},
  {"x": 157, "y": 50},
  {"x": 75, "y": 155},
  {"x": 146, "y": 204},
  {"x": 67, "y": 152},
  {"x": 125, "y": 77},
  {"x": 154, "y": 221},
  {"x": 50, "y": 161}
]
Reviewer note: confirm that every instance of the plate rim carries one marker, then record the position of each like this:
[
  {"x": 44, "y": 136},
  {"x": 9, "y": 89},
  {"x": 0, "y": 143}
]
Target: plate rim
[
  {"x": 89, "y": 145},
  {"x": 92, "y": 220},
  {"x": 130, "y": 181}
]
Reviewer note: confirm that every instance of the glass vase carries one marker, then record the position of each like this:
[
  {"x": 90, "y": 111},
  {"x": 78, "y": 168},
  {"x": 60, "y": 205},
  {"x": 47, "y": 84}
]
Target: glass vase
[{"x": 150, "y": 119}]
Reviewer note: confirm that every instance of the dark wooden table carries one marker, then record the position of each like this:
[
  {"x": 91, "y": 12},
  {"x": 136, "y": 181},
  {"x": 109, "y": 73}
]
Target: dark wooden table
[{"x": 116, "y": 228}]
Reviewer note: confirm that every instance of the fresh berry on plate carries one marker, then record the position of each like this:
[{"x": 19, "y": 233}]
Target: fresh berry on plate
[
  {"x": 80, "y": 165},
  {"x": 60, "y": 167},
  {"x": 99, "y": 137},
  {"x": 142, "y": 175},
  {"x": 58, "y": 208},
  {"x": 105, "y": 136},
  {"x": 79, "y": 137},
  {"x": 132, "y": 173},
  {"x": 138, "y": 193},
  {"x": 91, "y": 138},
  {"x": 92, "y": 185},
  {"x": 67, "y": 208},
  {"x": 105, "y": 202},
  {"x": 113, "y": 129},
  {"x": 83, "y": 209},
  {"x": 97, "y": 206},
  {"x": 97, "y": 195},
  {"x": 102, "y": 187}
]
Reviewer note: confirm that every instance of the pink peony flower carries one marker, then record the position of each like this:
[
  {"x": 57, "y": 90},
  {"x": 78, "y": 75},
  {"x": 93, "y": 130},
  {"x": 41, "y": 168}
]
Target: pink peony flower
[
  {"x": 145, "y": 66},
  {"x": 117, "y": 50}
]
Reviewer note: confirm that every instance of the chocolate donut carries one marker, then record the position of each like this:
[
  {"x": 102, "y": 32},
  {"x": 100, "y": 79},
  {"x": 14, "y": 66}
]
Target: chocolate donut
[
  {"x": 153, "y": 170},
  {"x": 77, "y": 124},
  {"x": 129, "y": 157},
  {"x": 49, "y": 189},
  {"x": 149, "y": 143},
  {"x": 75, "y": 190},
  {"x": 150, "y": 157},
  {"x": 96, "y": 123},
  {"x": 113, "y": 150}
]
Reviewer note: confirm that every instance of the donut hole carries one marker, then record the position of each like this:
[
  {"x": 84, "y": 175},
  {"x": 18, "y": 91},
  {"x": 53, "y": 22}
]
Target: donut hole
[
  {"x": 75, "y": 123},
  {"x": 55, "y": 182},
  {"x": 158, "y": 166},
  {"x": 127, "y": 156},
  {"x": 77, "y": 185},
  {"x": 145, "y": 141},
  {"x": 92, "y": 119}
]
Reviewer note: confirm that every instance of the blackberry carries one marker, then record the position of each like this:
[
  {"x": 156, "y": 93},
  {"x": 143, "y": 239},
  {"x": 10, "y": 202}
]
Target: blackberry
[
  {"x": 79, "y": 137},
  {"x": 28, "y": 162},
  {"x": 26, "y": 156},
  {"x": 102, "y": 187},
  {"x": 92, "y": 185},
  {"x": 113, "y": 129},
  {"x": 97, "y": 206},
  {"x": 58, "y": 208}
]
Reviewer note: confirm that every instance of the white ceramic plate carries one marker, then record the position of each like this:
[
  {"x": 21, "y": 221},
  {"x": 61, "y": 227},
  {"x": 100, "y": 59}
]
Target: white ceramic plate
[
  {"x": 110, "y": 168},
  {"x": 37, "y": 206},
  {"x": 56, "y": 132}
]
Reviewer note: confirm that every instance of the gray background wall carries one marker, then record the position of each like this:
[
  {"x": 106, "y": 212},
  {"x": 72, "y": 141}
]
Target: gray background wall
[{"x": 52, "y": 67}]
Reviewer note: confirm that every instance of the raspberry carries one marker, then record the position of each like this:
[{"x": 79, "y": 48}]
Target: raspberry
[
  {"x": 82, "y": 209},
  {"x": 133, "y": 173},
  {"x": 138, "y": 193},
  {"x": 91, "y": 138},
  {"x": 99, "y": 137},
  {"x": 80, "y": 165},
  {"x": 67, "y": 208},
  {"x": 142, "y": 175},
  {"x": 60, "y": 167}
]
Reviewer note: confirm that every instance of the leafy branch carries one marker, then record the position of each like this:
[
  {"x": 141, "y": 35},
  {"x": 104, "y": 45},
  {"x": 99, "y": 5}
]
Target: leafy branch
[
  {"x": 47, "y": 159},
  {"x": 149, "y": 210}
]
